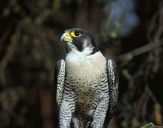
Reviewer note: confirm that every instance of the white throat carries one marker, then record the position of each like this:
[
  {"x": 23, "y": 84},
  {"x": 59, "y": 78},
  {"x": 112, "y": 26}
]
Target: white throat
[
  {"x": 87, "y": 51},
  {"x": 84, "y": 63}
]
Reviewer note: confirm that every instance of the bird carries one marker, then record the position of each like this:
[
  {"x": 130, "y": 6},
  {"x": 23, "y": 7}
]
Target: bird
[{"x": 86, "y": 83}]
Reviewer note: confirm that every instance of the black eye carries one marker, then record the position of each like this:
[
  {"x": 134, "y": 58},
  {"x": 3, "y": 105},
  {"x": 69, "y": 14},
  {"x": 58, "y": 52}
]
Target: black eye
[{"x": 77, "y": 33}]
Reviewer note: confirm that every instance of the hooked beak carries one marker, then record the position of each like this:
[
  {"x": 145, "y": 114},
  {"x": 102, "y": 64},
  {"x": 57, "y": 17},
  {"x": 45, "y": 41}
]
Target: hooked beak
[{"x": 66, "y": 38}]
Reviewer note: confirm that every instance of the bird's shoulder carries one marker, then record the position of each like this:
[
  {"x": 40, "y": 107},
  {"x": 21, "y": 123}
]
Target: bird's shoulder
[{"x": 59, "y": 65}]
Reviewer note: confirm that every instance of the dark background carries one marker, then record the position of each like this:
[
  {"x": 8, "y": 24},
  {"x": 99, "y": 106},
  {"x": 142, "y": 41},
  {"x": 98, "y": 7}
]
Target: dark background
[{"x": 129, "y": 31}]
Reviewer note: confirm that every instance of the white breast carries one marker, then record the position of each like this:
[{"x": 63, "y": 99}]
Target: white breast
[{"x": 79, "y": 65}]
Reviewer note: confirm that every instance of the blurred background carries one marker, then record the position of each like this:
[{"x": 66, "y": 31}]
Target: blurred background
[{"x": 128, "y": 31}]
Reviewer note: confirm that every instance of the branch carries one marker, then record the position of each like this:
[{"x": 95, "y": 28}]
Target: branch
[
  {"x": 139, "y": 51},
  {"x": 155, "y": 42},
  {"x": 4, "y": 36},
  {"x": 6, "y": 58},
  {"x": 10, "y": 51}
]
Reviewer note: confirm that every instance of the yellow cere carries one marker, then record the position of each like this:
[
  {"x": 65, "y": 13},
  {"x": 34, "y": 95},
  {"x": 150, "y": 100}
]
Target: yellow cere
[{"x": 75, "y": 34}]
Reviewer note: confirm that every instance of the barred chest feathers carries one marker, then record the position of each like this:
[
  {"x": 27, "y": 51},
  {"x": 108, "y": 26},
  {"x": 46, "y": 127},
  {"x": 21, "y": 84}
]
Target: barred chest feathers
[{"x": 85, "y": 74}]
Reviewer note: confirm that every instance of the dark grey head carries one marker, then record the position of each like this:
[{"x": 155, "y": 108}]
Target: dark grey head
[{"x": 79, "y": 39}]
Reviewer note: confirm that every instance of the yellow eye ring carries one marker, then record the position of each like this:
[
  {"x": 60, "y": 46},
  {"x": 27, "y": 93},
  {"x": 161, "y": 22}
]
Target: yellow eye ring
[{"x": 75, "y": 34}]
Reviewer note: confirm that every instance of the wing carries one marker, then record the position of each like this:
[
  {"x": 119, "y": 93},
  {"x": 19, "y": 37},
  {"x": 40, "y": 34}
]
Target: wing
[
  {"x": 59, "y": 78},
  {"x": 113, "y": 81},
  {"x": 59, "y": 81}
]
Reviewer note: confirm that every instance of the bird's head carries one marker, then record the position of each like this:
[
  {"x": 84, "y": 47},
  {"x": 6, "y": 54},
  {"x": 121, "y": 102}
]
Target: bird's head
[{"x": 78, "y": 39}]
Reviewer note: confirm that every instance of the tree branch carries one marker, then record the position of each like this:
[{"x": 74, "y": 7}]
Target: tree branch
[
  {"x": 10, "y": 51},
  {"x": 139, "y": 51}
]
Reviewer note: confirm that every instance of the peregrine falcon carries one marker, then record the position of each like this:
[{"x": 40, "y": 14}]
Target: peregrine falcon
[{"x": 86, "y": 83}]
